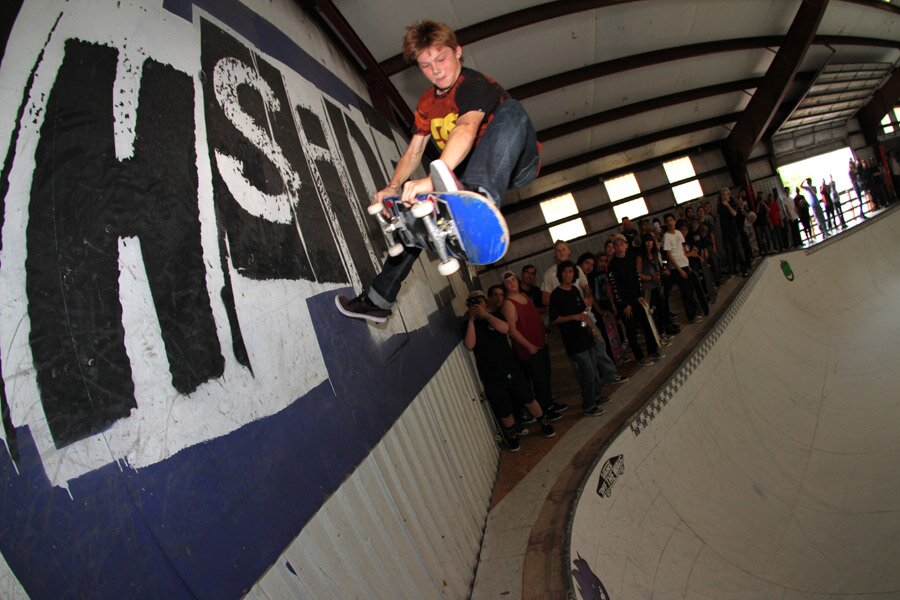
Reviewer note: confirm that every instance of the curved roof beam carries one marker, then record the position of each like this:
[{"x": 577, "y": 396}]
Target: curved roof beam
[
  {"x": 654, "y": 57},
  {"x": 630, "y": 110},
  {"x": 508, "y": 22},
  {"x": 546, "y": 12},
  {"x": 761, "y": 109},
  {"x": 639, "y": 141}
]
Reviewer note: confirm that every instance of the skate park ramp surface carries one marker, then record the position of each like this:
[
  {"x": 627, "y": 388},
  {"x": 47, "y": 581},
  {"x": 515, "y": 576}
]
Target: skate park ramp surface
[{"x": 768, "y": 466}]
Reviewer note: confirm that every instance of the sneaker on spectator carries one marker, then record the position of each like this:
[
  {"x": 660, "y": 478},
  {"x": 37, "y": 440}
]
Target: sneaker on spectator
[
  {"x": 594, "y": 411},
  {"x": 547, "y": 430},
  {"x": 361, "y": 308},
  {"x": 602, "y": 399},
  {"x": 552, "y": 415},
  {"x": 526, "y": 417},
  {"x": 520, "y": 429},
  {"x": 442, "y": 178},
  {"x": 697, "y": 319},
  {"x": 559, "y": 407},
  {"x": 657, "y": 356},
  {"x": 646, "y": 362},
  {"x": 616, "y": 379},
  {"x": 512, "y": 439}
]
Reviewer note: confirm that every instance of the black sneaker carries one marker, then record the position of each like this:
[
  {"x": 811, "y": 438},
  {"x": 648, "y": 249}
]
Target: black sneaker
[
  {"x": 361, "y": 308},
  {"x": 547, "y": 429},
  {"x": 594, "y": 411},
  {"x": 442, "y": 178},
  {"x": 559, "y": 407},
  {"x": 512, "y": 440},
  {"x": 552, "y": 415},
  {"x": 526, "y": 417}
]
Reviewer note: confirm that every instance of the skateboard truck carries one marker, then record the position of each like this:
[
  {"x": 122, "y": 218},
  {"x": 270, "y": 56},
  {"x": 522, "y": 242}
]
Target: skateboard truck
[
  {"x": 388, "y": 227},
  {"x": 426, "y": 210},
  {"x": 457, "y": 226}
]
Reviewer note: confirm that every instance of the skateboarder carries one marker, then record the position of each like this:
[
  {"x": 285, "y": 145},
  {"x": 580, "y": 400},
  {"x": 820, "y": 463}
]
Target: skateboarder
[{"x": 482, "y": 133}]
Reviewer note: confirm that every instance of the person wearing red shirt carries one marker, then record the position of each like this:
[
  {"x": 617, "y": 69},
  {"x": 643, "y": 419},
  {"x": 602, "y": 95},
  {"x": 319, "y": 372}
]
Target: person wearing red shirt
[{"x": 529, "y": 341}]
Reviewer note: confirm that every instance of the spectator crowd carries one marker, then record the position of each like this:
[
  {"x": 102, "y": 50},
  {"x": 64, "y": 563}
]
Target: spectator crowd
[{"x": 613, "y": 306}]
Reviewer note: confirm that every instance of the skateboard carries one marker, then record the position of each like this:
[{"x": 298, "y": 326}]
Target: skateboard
[
  {"x": 457, "y": 226},
  {"x": 649, "y": 313},
  {"x": 611, "y": 328},
  {"x": 699, "y": 292}
]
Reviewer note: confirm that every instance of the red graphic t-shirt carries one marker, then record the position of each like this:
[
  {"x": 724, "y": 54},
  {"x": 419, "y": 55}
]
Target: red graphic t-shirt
[{"x": 436, "y": 113}]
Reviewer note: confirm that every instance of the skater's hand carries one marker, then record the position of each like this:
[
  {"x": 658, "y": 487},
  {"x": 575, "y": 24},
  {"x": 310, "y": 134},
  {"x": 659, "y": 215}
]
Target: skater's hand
[
  {"x": 382, "y": 195},
  {"x": 387, "y": 192},
  {"x": 414, "y": 187}
]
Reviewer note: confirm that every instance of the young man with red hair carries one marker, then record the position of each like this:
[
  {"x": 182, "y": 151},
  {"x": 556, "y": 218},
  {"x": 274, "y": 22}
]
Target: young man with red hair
[{"x": 484, "y": 136}]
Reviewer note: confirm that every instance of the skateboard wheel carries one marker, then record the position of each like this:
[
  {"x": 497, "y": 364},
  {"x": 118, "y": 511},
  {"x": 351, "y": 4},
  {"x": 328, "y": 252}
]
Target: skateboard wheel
[
  {"x": 395, "y": 250},
  {"x": 422, "y": 209},
  {"x": 374, "y": 209},
  {"x": 449, "y": 267}
]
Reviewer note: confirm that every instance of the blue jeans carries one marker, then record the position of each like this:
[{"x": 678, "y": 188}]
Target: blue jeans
[
  {"x": 505, "y": 156},
  {"x": 590, "y": 366}
]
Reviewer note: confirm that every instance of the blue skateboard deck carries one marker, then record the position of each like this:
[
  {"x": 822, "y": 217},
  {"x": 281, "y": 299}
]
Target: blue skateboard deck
[{"x": 464, "y": 225}]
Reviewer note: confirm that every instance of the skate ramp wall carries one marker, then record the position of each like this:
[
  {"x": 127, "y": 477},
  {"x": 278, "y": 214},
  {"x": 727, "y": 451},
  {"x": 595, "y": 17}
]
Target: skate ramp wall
[
  {"x": 183, "y": 411},
  {"x": 767, "y": 466}
]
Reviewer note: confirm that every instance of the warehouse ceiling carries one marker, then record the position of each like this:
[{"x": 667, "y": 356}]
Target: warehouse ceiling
[{"x": 614, "y": 83}]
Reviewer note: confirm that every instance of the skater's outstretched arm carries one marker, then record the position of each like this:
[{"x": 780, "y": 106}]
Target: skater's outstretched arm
[
  {"x": 459, "y": 144},
  {"x": 409, "y": 162}
]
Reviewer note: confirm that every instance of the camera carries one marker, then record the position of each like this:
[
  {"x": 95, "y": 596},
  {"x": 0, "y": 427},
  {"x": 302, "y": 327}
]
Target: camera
[{"x": 474, "y": 301}]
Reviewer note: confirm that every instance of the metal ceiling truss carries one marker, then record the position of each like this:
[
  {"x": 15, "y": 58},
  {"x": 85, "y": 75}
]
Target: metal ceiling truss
[
  {"x": 552, "y": 10},
  {"x": 791, "y": 49},
  {"x": 763, "y": 106}
]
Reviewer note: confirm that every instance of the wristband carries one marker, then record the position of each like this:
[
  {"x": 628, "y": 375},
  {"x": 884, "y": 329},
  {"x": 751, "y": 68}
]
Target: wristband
[{"x": 393, "y": 187}]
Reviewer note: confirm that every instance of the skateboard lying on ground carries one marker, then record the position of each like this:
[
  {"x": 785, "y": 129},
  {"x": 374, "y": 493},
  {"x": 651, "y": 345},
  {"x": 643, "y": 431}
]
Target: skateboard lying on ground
[{"x": 457, "y": 226}]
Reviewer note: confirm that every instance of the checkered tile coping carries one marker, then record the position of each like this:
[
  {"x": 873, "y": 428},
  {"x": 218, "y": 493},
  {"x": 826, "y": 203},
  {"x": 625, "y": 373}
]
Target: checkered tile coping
[{"x": 655, "y": 406}]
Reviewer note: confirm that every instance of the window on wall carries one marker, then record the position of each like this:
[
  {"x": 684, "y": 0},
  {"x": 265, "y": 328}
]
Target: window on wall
[
  {"x": 560, "y": 208},
  {"x": 679, "y": 170},
  {"x": 625, "y": 187},
  {"x": 886, "y": 124}
]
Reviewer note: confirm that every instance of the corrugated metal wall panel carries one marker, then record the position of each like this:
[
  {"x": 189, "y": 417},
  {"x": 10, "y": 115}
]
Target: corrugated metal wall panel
[{"x": 408, "y": 522}]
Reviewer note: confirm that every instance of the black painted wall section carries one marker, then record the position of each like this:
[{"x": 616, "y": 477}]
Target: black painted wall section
[
  {"x": 83, "y": 199},
  {"x": 259, "y": 248}
]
